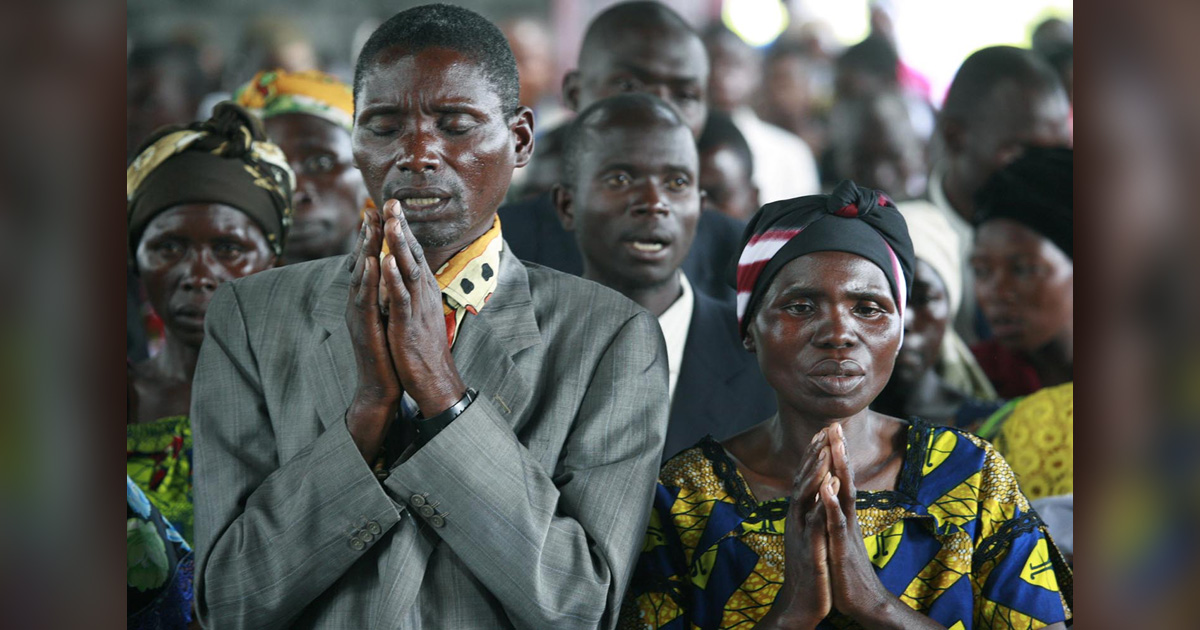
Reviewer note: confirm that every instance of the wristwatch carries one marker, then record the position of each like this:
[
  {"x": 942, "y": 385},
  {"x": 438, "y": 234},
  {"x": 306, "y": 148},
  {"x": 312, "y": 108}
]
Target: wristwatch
[{"x": 427, "y": 428}]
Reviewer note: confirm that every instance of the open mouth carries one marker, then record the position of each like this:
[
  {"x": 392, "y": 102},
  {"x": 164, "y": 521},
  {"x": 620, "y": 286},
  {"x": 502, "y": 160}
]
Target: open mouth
[
  {"x": 651, "y": 247},
  {"x": 421, "y": 200},
  {"x": 648, "y": 246}
]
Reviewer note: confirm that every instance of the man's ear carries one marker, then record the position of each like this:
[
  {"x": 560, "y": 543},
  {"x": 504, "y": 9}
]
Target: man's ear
[
  {"x": 570, "y": 90},
  {"x": 564, "y": 206},
  {"x": 522, "y": 130}
]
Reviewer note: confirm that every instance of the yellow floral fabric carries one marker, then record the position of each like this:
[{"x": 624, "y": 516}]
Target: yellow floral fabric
[
  {"x": 956, "y": 541},
  {"x": 158, "y": 458},
  {"x": 1037, "y": 438}
]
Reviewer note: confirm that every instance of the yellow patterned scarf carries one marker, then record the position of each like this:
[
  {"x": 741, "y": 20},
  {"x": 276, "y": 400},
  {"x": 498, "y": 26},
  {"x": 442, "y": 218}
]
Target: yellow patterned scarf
[{"x": 469, "y": 278}]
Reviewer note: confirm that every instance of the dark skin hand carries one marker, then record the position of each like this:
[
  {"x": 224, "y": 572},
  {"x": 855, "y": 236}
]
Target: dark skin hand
[
  {"x": 806, "y": 595},
  {"x": 398, "y": 331}
]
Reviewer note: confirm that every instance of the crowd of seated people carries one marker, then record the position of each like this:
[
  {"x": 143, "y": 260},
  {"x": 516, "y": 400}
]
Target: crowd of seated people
[{"x": 758, "y": 337}]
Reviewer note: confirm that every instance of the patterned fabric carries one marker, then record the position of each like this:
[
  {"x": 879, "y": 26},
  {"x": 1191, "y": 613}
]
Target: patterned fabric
[
  {"x": 158, "y": 458},
  {"x": 275, "y": 92},
  {"x": 1036, "y": 436},
  {"x": 956, "y": 541},
  {"x": 159, "y": 567},
  {"x": 850, "y": 219},
  {"x": 469, "y": 278}
]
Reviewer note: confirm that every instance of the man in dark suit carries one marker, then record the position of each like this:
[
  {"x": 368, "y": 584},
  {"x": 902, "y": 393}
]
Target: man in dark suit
[
  {"x": 630, "y": 192},
  {"x": 633, "y": 47}
]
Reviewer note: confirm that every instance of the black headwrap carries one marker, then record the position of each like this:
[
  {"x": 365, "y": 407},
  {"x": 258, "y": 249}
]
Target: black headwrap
[
  {"x": 1036, "y": 191},
  {"x": 855, "y": 220},
  {"x": 225, "y": 159}
]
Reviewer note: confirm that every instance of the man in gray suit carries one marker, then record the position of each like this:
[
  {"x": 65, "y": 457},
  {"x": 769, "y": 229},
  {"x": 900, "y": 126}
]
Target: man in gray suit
[{"x": 442, "y": 436}]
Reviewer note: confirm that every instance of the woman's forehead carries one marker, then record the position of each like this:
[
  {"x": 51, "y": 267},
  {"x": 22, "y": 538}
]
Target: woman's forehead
[{"x": 831, "y": 272}]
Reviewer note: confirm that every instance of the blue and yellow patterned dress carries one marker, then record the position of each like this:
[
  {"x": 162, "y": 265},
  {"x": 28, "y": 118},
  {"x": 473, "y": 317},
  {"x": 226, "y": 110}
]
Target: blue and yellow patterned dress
[{"x": 956, "y": 540}]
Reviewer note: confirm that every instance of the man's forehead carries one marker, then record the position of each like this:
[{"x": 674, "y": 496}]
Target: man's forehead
[
  {"x": 641, "y": 145},
  {"x": 679, "y": 56},
  {"x": 1014, "y": 108},
  {"x": 434, "y": 73}
]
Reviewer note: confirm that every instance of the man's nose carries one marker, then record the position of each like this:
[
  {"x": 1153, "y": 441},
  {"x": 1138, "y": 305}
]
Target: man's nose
[
  {"x": 418, "y": 151},
  {"x": 650, "y": 198}
]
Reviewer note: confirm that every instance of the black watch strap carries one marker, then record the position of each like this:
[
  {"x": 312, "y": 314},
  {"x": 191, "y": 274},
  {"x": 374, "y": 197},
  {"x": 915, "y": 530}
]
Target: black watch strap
[{"x": 427, "y": 428}]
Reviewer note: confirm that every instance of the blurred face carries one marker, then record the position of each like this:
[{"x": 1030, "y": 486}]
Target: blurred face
[
  {"x": 155, "y": 97},
  {"x": 430, "y": 133},
  {"x": 826, "y": 334},
  {"x": 726, "y": 182},
  {"x": 329, "y": 191},
  {"x": 187, "y": 251},
  {"x": 634, "y": 204},
  {"x": 734, "y": 73},
  {"x": 886, "y": 157},
  {"x": 788, "y": 85},
  {"x": 1024, "y": 284},
  {"x": 668, "y": 64},
  {"x": 924, "y": 325},
  {"x": 533, "y": 50},
  {"x": 1011, "y": 120}
]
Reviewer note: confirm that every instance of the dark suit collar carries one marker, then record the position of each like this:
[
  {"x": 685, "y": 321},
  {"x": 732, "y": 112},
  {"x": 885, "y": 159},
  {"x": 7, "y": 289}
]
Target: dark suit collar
[
  {"x": 711, "y": 343},
  {"x": 483, "y": 351}
]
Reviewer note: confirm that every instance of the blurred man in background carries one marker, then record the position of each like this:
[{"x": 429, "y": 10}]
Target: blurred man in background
[
  {"x": 633, "y": 47},
  {"x": 786, "y": 166},
  {"x": 727, "y": 168}
]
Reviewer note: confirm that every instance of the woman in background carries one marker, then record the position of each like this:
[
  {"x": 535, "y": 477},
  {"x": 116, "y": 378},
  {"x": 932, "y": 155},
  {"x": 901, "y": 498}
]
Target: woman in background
[
  {"x": 208, "y": 202},
  {"x": 1023, "y": 261}
]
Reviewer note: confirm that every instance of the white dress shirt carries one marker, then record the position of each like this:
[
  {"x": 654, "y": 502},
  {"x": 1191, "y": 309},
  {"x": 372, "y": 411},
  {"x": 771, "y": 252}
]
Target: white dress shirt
[
  {"x": 784, "y": 166},
  {"x": 675, "y": 323}
]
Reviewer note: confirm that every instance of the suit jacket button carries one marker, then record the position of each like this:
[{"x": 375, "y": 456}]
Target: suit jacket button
[
  {"x": 366, "y": 536},
  {"x": 417, "y": 500},
  {"x": 374, "y": 528},
  {"x": 426, "y": 510},
  {"x": 357, "y": 544},
  {"x": 437, "y": 520}
]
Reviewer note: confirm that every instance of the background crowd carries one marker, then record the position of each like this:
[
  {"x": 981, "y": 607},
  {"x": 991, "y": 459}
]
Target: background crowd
[{"x": 981, "y": 173}]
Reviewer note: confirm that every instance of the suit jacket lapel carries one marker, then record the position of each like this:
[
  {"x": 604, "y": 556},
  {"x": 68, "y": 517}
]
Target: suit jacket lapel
[
  {"x": 709, "y": 363},
  {"x": 488, "y": 343},
  {"x": 334, "y": 375}
]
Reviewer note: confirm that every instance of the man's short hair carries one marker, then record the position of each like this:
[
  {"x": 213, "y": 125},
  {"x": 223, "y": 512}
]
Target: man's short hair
[
  {"x": 987, "y": 68},
  {"x": 578, "y": 133},
  {"x": 719, "y": 130},
  {"x": 626, "y": 14},
  {"x": 455, "y": 28}
]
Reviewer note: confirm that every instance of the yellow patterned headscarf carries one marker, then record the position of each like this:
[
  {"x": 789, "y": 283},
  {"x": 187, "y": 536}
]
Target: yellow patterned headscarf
[
  {"x": 225, "y": 159},
  {"x": 275, "y": 92}
]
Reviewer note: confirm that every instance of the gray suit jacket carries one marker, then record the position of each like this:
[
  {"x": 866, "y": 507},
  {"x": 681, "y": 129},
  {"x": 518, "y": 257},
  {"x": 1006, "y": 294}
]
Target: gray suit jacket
[{"x": 527, "y": 511}]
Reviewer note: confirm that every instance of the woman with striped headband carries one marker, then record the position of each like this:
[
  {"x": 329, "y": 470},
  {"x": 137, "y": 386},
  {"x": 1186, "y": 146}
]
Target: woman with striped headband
[
  {"x": 207, "y": 202},
  {"x": 830, "y": 515}
]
